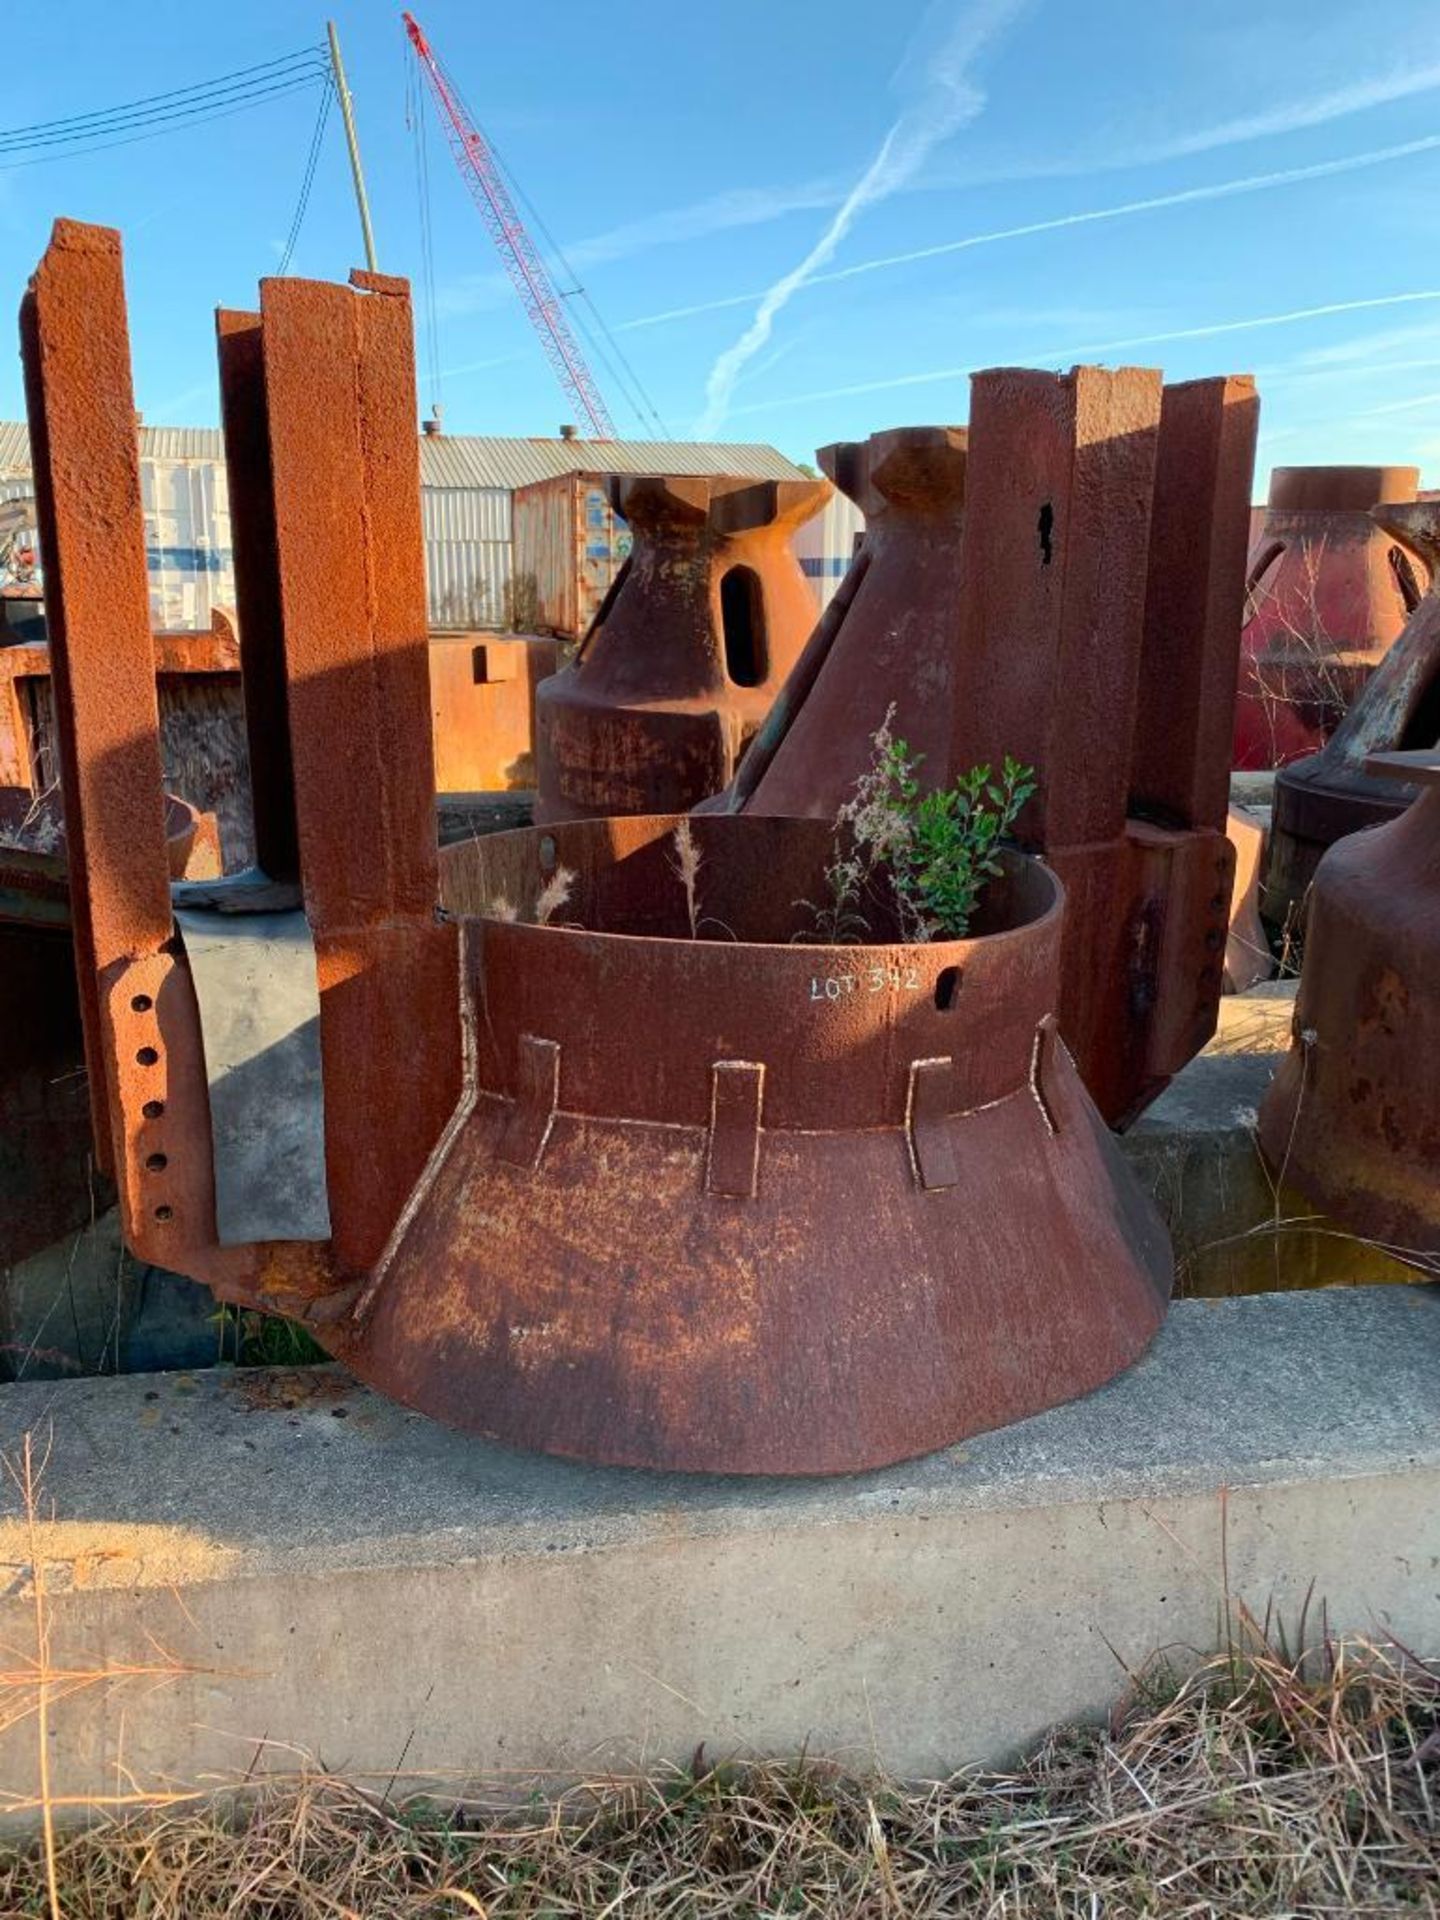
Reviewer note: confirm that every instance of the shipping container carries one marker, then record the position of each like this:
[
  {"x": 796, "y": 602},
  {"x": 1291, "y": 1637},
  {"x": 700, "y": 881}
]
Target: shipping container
[
  {"x": 569, "y": 544},
  {"x": 187, "y": 541},
  {"x": 826, "y": 545}
]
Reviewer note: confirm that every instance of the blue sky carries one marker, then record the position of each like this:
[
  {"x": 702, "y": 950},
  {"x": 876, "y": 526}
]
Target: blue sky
[{"x": 805, "y": 221}]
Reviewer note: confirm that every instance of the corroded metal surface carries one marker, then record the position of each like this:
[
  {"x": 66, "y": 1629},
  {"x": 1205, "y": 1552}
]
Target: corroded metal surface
[
  {"x": 616, "y": 1164},
  {"x": 1328, "y": 591},
  {"x": 711, "y": 1190},
  {"x": 1062, "y": 583},
  {"x": 687, "y": 651},
  {"x": 1353, "y": 1116},
  {"x": 482, "y": 694},
  {"x": 1321, "y": 799},
  {"x": 49, "y": 1184}
]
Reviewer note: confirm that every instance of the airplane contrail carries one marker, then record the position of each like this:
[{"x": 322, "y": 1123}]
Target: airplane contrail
[
  {"x": 1219, "y": 190},
  {"x": 1210, "y": 331},
  {"x": 947, "y": 101}
]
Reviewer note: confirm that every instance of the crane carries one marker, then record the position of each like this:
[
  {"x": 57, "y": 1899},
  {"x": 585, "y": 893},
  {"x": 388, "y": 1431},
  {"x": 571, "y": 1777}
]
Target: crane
[{"x": 481, "y": 171}]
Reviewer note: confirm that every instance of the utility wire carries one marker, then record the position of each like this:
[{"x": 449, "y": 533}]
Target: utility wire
[
  {"x": 207, "y": 104},
  {"x": 308, "y": 181},
  {"x": 120, "y": 126},
  {"x": 154, "y": 133},
  {"x": 638, "y": 400},
  {"x": 175, "y": 93}
]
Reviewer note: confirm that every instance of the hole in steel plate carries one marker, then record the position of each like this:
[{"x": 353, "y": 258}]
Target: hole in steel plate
[
  {"x": 547, "y": 850},
  {"x": 163, "y": 1214},
  {"x": 156, "y": 1162},
  {"x": 153, "y": 1109},
  {"x": 947, "y": 985},
  {"x": 142, "y": 1003},
  {"x": 146, "y": 1057}
]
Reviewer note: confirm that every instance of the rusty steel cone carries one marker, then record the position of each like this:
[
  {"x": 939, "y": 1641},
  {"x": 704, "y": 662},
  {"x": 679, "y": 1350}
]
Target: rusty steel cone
[{"x": 740, "y": 1204}]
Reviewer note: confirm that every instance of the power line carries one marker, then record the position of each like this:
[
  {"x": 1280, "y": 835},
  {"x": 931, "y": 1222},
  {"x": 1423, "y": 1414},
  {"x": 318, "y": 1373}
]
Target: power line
[
  {"x": 160, "y": 113},
  {"x": 155, "y": 133},
  {"x": 308, "y": 181},
  {"x": 199, "y": 106},
  {"x": 153, "y": 99}
]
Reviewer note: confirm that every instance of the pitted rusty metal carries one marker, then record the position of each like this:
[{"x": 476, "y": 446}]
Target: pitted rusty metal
[
  {"x": 1321, "y": 799},
  {"x": 1331, "y": 584},
  {"x": 687, "y": 651},
  {"x": 639, "y": 1174},
  {"x": 1353, "y": 1114},
  {"x": 1061, "y": 582}
]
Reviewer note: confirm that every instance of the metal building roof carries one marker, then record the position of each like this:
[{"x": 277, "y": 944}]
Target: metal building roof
[{"x": 471, "y": 460}]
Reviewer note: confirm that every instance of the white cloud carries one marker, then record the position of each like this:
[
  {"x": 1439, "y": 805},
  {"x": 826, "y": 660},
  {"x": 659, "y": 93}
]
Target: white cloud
[{"x": 947, "y": 100}]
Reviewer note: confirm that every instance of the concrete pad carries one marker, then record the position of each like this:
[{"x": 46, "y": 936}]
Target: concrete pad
[
  {"x": 1196, "y": 1150},
  {"x": 306, "y": 1569}
]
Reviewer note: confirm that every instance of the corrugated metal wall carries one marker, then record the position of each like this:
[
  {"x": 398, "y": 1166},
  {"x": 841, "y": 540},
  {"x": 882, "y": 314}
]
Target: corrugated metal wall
[
  {"x": 467, "y": 556},
  {"x": 825, "y": 545}
]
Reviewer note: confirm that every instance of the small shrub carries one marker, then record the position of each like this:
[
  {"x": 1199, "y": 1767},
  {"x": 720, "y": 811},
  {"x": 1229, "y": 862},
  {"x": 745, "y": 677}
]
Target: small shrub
[{"x": 917, "y": 859}]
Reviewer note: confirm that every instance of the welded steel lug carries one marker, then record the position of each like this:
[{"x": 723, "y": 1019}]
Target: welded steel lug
[{"x": 1353, "y": 1114}]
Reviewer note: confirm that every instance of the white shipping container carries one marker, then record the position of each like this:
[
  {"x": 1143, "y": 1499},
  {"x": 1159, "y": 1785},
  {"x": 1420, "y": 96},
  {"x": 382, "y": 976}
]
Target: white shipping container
[
  {"x": 187, "y": 541},
  {"x": 825, "y": 545}
]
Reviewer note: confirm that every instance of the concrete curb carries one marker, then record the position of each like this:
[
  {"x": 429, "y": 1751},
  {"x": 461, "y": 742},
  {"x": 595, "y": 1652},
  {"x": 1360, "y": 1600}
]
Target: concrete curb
[{"x": 336, "y": 1576}]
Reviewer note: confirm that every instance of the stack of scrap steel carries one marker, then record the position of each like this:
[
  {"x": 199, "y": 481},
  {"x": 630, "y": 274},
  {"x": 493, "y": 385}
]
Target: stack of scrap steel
[
  {"x": 1061, "y": 583},
  {"x": 1353, "y": 1116},
  {"x": 703, "y": 1196},
  {"x": 1331, "y": 584},
  {"x": 1321, "y": 799},
  {"x": 687, "y": 651}
]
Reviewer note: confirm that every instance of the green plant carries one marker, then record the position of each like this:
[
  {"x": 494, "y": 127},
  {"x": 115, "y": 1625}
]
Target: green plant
[{"x": 922, "y": 857}]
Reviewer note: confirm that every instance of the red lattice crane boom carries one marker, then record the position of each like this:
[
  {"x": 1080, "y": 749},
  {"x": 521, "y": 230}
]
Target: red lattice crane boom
[{"x": 526, "y": 269}]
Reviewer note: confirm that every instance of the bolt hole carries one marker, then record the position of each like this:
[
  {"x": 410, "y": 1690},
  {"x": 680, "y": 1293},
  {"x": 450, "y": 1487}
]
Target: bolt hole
[
  {"x": 156, "y": 1163},
  {"x": 947, "y": 985},
  {"x": 146, "y": 1057},
  {"x": 1046, "y": 528},
  {"x": 547, "y": 850},
  {"x": 142, "y": 1003},
  {"x": 162, "y": 1214},
  {"x": 153, "y": 1109}
]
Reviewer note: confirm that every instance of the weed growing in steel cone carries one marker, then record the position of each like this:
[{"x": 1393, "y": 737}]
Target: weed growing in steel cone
[{"x": 918, "y": 859}]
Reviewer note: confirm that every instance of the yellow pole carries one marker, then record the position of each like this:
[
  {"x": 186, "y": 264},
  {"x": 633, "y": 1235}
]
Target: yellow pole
[{"x": 347, "y": 113}]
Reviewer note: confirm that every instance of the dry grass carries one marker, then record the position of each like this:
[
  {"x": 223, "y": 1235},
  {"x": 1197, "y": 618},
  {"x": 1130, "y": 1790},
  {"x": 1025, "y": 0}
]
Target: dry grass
[{"x": 1257, "y": 1787}]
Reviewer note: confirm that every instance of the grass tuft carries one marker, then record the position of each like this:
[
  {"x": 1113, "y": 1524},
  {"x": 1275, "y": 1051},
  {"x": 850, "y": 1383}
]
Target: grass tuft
[{"x": 1258, "y": 1786}]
